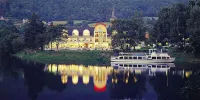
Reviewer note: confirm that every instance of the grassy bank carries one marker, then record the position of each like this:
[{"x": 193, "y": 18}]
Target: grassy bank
[
  {"x": 185, "y": 58},
  {"x": 89, "y": 57},
  {"x": 71, "y": 57},
  {"x": 182, "y": 57}
]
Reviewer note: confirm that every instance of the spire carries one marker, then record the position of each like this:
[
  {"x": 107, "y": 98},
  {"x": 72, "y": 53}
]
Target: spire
[
  {"x": 113, "y": 17},
  {"x": 113, "y": 12}
]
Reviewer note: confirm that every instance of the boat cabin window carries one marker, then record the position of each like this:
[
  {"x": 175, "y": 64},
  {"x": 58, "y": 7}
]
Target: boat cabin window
[
  {"x": 134, "y": 57},
  {"x": 153, "y": 65},
  {"x": 149, "y": 56},
  {"x": 164, "y": 66},
  {"x": 134, "y": 65},
  {"x": 125, "y": 57},
  {"x": 130, "y": 57},
  {"x": 125, "y": 65},
  {"x": 130, "y": 65},
  {"x": 139, "y": 65},
  {"x": 158, "y": 57},
  {"x": 120, "y": 65},
  {"x": 167, "y": 57},
  {"x": 120, "y": 57},
  {"x": 163, "y": 57},
  {"x": 153, "y": 57},
  {"x": 159, "y": 66},
  {"x": 139, "y": 57}
]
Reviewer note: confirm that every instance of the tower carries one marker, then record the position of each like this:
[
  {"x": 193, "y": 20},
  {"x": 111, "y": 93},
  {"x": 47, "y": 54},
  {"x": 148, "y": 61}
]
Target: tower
[{"x": 113, "y": 17}]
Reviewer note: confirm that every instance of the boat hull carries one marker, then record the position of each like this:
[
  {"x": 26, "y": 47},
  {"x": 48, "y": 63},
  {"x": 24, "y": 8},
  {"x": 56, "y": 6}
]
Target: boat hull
[{"x": 144, "y": 60}]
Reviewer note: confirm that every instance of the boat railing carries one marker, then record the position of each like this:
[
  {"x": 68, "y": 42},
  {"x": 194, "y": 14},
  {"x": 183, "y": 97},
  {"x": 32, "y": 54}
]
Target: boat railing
[{"x": 132, "y": 57}]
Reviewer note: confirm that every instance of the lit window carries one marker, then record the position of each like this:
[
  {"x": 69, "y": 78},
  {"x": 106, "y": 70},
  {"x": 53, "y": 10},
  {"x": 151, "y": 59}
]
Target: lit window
[
  {"x": 75, "y": 32},
  {"x": 86, "y": 32}
]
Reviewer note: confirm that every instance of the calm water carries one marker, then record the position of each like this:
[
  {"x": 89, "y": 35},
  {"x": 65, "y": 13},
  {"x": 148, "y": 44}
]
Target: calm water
[{"x": 22, "y": 80}]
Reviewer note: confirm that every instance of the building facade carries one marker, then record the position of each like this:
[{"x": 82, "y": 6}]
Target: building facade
[{"x": 92, "y": 38}]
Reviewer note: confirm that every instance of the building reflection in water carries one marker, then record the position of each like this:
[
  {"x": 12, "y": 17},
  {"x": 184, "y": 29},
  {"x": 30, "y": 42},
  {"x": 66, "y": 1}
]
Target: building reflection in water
[{"x": 98, "y": 73}]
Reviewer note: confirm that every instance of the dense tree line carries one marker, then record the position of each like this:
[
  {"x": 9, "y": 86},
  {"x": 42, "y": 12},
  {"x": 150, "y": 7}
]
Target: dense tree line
[
  {"x": 97, "y": 10},
  {"x": 128, "y": 33},
  {"x": 34, "y": 35},
  {"x": 10, "y": 39},
  {"x": 179, "y": 25}
]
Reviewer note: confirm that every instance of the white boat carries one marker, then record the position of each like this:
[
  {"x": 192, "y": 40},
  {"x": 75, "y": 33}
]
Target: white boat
[{"x": 152, "y": 57}]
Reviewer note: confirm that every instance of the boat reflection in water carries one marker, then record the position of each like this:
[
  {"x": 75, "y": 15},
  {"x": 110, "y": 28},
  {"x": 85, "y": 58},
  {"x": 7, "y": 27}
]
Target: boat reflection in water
[{"x": 150, "y": 67}]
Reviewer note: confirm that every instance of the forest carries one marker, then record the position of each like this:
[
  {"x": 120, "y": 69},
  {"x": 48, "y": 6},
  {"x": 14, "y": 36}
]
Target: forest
[
  {"x": 177, "y": 25},
  {"x": 93, "y": 10}
]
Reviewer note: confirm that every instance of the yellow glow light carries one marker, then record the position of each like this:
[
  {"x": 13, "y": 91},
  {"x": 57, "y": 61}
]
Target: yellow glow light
[
  {"x": 188, "y": 73},
  {"x": 75, "y": 79},
  {"x": 135, "y": 79},
  {"x": 126, "y": 81},
  {"x": 64, "y": 79},
  {"x": 86, "y": 79}
]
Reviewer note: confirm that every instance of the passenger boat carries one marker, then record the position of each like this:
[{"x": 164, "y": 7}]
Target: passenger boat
[{"x": 152, "y": 57}]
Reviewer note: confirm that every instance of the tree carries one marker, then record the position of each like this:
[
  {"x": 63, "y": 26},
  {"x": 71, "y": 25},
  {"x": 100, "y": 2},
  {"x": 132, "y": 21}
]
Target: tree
[
  {"x": 162, "y": 26},
  {"x": 129, "y": 32},
  {"x": 137, "y": 30},
  {"x": 171, "y": 25},
  {"x": 53, "y": 33},
  {"x": 34, "y": 33},
  {"x": 178, "y": 17},
  {"x": 10, "y": 39},
  {"x": 83, "y": 10},
  {"x": 193, "y": 29},
  {"x": 118, "y": 41}
]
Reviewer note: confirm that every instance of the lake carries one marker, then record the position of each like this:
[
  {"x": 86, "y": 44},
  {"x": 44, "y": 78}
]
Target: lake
[{"x": 26, "y": 80}]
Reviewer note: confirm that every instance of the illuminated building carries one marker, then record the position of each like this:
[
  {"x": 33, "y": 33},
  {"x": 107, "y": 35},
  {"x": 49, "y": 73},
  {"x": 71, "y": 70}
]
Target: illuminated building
[
  {"x": 96, "y": 37},
  {"x": 79, "y": 38}
]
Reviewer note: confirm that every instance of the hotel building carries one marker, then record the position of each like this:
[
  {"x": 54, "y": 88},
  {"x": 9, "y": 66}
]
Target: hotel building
[{"x": 97, "y": 37}]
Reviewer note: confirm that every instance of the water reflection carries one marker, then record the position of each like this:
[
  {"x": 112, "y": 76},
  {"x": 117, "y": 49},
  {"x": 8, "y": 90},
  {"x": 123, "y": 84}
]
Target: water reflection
[
  {"x": 126, "y": 82},
  {"x": 22, "y": 80},
  {"x": 98, "y": 73}
]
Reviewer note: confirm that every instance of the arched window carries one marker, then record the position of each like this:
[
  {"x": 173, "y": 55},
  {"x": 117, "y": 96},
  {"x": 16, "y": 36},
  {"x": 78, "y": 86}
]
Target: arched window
[
  {"x": 86, "y": 32},
  {"x": 75, "y": 32}
]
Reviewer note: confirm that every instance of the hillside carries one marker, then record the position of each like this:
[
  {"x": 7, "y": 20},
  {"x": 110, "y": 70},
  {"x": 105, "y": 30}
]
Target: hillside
[{"x": 85, "y": 9}]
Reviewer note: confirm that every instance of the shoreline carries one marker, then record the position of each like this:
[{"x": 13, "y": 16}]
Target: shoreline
[
  {"x": 63, "y": 57},
  {"x": 87, "y": 57}
]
